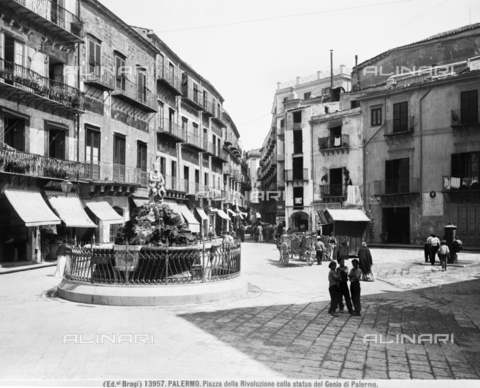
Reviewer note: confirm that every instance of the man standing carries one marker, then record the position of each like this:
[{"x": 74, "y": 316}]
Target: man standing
[
  {"x": 435, "y": 244},
  {"x": 260, "y": 233},
  {"x": 427, "y": 247},
  {"x": 342, "y": 270},
  {"x": 319, "y": 249},
  {"x": 333, "y": 245},
  {"x": 267, "y": 233}
]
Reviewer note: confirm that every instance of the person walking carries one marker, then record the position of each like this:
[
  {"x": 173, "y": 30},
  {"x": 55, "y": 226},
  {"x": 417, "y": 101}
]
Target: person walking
[
  {"x": 443, "y": 254},
  {"x": 435, "y": 245},
  {"x": 61, "y": 259},
  {"x": 342, "y": 271},
  {"x": 255, "y": 232},
  {"x": 333, "y": 245},
  {"x": 365, "y": 262},
  {"x": 333, "y": 281},
  {"x": 267, "y": 233},
  {"x": 427, "y": 247},
  {"x": 355, "y": 275},
  {"x": 260, "y": 232},
  {"x": 242, "y": 232},
  {"x": 319, "y": 249}
]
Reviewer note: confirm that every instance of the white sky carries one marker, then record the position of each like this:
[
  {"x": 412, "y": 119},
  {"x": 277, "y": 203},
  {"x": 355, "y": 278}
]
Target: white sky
[{"x": 244, "y": 59}]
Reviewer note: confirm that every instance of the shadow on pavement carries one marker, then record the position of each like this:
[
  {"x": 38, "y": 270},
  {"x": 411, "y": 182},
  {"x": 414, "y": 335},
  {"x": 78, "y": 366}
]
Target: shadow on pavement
[{"x": 304, "y": 341}]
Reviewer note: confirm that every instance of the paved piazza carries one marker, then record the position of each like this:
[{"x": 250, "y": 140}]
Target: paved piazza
[{"x": 279, "y": 330}]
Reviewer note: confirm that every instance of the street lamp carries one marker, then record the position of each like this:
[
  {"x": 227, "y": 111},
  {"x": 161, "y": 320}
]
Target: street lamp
[{"x": 66, "y": 186}]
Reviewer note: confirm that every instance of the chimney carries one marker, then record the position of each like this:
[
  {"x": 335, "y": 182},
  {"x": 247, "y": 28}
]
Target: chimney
[
  {"x": 278, "y": 85},
  {"x": 298, "y": 81},
  {"x": 356, "y": 60},
  {"x": 342, "y": 69},
  {"x": 319, "y": 74}
]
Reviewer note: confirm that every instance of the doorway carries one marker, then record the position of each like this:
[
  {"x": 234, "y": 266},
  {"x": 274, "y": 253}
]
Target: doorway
[{"x": 396, "y": 223}]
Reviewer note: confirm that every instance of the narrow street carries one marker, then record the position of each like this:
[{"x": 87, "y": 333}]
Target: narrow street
[{"x": 279, "y": 330}]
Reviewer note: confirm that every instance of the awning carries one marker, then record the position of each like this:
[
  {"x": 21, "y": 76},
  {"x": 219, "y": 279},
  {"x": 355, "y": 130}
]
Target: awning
[
  {"x": 31, "y": 208},
  {"x": 193, "y": 224},
  {"x": 353, "y": 215},
  {"x": 139, "y": 202},
  {"x": 322, "y": 218},
  {"x": 222, "y": 214},
  {"x": 70, "y": 210},
  {"x": 232, "y": 212},
  {"x": 173, "y": 205},
  {"x": 202, "y": 214},
  {"x": 105, "y": 212}
]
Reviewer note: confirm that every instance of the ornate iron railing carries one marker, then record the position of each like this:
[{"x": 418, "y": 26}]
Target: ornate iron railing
[
  {"x": 464, "y": 117},
  {"x": 400, "y": 125},
  {"x": 170, "y": 77},
  {"x": 333, "y": 190},
  {"x": 39, "y": 166},
  {"x": 296, "y": 175},
  {"x": 30, "y": 81},
  {"x": 172, "y": 128},
  {"x": 397, "y": 186},
  {"x": 154, "y": 266},
  {"x": 56, "y": 14}
]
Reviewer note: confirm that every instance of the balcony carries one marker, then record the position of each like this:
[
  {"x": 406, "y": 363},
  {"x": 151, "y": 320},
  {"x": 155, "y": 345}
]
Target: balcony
[
  {"x": 208, "y": 108},
  {"x": 218, "y": 116},
  {"x": 194, "y": 141},
  {"x": 192, "y": 96},
  {"x": 169, "y": 128},
  {"x": 399, "y": 131},
  {"x": 236, "y": 176},
  {"x": 329, "y": 145},
  {"x": 105, "y": 81},
  {"x": 21, "y": 84},
  {"x": 168, "y": 78},
  {"x": 217, "y": 152},
  {"x": 297, "y": 175},
  {"x": 227, "y": 170},
  {"x": 281, "y": 184},
  {"x": 124, "y": 174},
  {"x": 281, "y": 132},
  {"x": 130, "y": 93},
  {"x": 189, "y": 187},
  {"x": 31, "y": 165},
  {"x": 229, "y": 139},
  {"x": 333, "y": 193},
  {"x": 281, "y": 158},
  {"x": 205, "y": 162},
  {"x": 51, "y": 19},
  {"x": 465, "y": 122},
  {"x": 172, "y": 183},
  {"x": 461, "y": 189},
  {"x": 397, "y": 191}
]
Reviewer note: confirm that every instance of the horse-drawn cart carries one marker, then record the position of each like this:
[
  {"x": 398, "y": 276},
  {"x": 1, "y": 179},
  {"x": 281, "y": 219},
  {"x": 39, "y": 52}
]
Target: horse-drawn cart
[{"x": 300, "y": 245}]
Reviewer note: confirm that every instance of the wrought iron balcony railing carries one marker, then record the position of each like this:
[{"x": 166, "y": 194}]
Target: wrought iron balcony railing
[
  {"x": 135, "y": 95},
  {"x": 194, "y": 140},
  {"x": 36, "y": 84},
  {"x": 205, "y": 162},
  {"x": 296, "y": 175},
  {"x": 168, "y": 77},
  {"x": 464, "y": 117},
  {"x": 208, "y": 108},
  {"x": 193, "y": 96},
  {"x": 333, "y": 191},
  {"x": 24, "y": 163},
  {"x": 398, "y": 126},
  {"x": 171, "y": 183},
  {"x": 104, "y": 80},
  {"x": 331, "y": 143},
  {"x": 64, "y": 25},
  {"x": 397, "y": 186},
  {"x": 168, "y": 127}
]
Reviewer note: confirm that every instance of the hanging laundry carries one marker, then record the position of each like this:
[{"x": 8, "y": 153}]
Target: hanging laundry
[
  {"x": 446, "y": 183},
  {"x": 351, "y": 195},
  {"x": 337, "y": 142},
  {"x": 455, "y": 183}
]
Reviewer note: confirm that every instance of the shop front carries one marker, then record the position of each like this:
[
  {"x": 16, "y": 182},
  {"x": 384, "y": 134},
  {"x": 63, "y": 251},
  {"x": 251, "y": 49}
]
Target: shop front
[{"x": 299, "y": 221}]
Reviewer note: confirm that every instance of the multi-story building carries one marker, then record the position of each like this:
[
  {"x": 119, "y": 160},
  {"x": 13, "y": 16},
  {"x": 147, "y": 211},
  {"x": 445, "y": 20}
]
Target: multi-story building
[
  {"x": 421, "y": 138},
  {"x": 88, "y": 104},
  {"x": 253, "y": 163},
  {"x": 286, "y": 166}
]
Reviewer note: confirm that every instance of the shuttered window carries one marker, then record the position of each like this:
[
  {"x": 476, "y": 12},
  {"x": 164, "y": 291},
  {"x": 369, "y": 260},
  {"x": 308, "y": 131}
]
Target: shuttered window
[{"x": 94, "y": 58}]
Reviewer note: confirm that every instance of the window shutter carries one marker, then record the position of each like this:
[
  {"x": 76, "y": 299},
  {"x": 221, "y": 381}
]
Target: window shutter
[
  {"x": 2, "y": 45},
  {"x": 455, "y": 168}
]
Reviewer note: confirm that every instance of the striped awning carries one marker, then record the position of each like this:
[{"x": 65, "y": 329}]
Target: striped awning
[
  {"x": 222, "y": 214},
  {"x": 105, "y": 212},
  {"x": 31, "y": 208},
  {"x": 202, "y": 214},
  {"x": 193, "y": 224}
]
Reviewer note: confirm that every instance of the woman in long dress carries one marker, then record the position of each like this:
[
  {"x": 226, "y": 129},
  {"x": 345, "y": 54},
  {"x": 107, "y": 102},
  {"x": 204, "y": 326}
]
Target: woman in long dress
[
  {"x": 365, "y": 259},
  {"x": 61, "y": 259}
]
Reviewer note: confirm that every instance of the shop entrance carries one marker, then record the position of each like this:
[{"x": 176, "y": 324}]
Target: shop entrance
[
  {"x": 396, "y": 223},
  {"x": 299, "y": 221}
]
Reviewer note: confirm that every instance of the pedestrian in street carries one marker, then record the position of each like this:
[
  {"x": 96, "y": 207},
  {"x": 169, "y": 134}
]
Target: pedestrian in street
[
  {"x": 255, "y": 232},
  {"x": 365, "y": 262},
  {"x": 443, "y": 254},
  {"x": 355, "y": 275},
  {"x": 319, "y": 249},
  {"x": 342, "y": 271},
  {"x": 271, "y": 231},
  {"x": 267, "y": 233},
  {"x": 242, "y": 233},
  {"x": 333, "y": 245},
  {"x": 457, "y": 246},
  {"x": 61, "y": 259},
  {"x": 260, "y": 233},
  {"x": 333, "y": 281},
  {"x": 435, "y": 245},
  {"x": 426, "y": 248}
]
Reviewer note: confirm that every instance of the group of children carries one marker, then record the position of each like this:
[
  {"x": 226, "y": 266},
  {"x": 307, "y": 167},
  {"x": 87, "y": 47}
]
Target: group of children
[{"x": 338, "y": 287}]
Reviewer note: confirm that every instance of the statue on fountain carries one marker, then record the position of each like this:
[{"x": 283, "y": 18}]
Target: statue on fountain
[{"x": 156, "y": 183}]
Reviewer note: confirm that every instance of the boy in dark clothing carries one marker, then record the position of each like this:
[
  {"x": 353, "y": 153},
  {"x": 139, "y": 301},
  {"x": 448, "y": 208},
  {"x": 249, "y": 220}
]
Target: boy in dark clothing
[
  {"x": 333, "y": 280},
  {"x": 342, "y": 270},
  {"x": 355, "y": 275}
]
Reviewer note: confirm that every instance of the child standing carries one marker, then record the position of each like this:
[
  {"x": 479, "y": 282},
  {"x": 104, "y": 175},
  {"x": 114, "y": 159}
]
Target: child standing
[
  {"x": 319, "y": 248},
  {"x": 443, "y": 254},
  {"x": 342, "y": 271},
  {"x": 333, "y": 280},
  {"x": 355, "y": 276}
]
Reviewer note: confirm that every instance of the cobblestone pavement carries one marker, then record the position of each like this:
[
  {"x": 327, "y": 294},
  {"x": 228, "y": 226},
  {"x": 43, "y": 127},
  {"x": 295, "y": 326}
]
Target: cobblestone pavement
[{"x": 279, "y": 330}]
